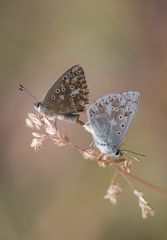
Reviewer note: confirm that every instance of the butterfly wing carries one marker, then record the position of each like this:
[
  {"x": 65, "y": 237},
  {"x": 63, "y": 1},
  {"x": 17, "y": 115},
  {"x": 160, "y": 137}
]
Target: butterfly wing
[
  {"x": 111, "y": 116},
  {"x": 69, "y": 94}
]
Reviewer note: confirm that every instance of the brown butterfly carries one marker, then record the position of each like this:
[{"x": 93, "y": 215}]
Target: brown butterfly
[{"x": 68, "y": 96}]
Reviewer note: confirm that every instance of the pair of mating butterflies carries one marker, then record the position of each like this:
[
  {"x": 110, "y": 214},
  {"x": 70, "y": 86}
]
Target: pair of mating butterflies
[{"x": 109, "y": 117}]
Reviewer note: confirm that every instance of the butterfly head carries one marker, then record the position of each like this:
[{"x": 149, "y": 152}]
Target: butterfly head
[
  {"x": 44, "y": 111},
  {"x": 118, "y": 153},
  {"x": 105, "y": 148},
  {"x": 38, "y": 106}
]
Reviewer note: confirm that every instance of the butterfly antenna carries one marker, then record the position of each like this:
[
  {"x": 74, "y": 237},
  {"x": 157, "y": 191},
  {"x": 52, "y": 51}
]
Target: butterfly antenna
[
  {"x": 132, "y": 156},
  {"x": 129, "y": 151},
  {"x": 21, "y": 88}
]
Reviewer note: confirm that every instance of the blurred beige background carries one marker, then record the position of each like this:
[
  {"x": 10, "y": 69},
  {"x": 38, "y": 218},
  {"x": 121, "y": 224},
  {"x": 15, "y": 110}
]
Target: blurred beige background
[{"x": 55, "y": 193}]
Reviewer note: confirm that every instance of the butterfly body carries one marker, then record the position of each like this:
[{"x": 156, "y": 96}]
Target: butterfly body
[
  {"x": 67, "y": 97},
  {"x": 109, "y": 119}
]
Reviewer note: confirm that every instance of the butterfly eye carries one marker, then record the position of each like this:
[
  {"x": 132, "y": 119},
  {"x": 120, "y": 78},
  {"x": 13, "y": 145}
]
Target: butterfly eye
[
  {"x": 37, "y": 104},
  {"x": 58, "y": 101},
  {"x": 116, "y": 109},
  {"x": 118, "y": 133},
  {"x": 63, "y": 89},
  {"x": 122, "y": 125},
  {"x": 118, "y": 153},
  {"x": 120, "y": 116}
]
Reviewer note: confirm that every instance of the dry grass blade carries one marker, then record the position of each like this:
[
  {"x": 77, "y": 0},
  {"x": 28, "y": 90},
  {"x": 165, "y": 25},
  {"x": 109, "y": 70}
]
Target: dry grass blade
[
  {"x": 146, "y": 209},
  {"x": 122, "y": 165},
  {"x": 113, "y": 193}
]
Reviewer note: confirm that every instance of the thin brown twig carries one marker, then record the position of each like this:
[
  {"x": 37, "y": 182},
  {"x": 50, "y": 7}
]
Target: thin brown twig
[
  {"x": 142, "y": 181},
  {"x": 114, "y": 177},
  {"x": 127, "y": 180},
  {"x": 106, "y": 161},
  {"x": 124, "y": 173}
]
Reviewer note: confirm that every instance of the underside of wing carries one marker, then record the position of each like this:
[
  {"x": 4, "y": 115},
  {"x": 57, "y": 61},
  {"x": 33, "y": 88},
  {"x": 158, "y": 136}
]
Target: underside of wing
[
  {"x": 69, "y": 94},
  {"x": 111, "y": 116}
]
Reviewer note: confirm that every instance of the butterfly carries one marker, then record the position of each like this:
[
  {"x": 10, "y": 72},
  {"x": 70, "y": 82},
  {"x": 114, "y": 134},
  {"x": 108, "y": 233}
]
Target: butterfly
[
  {"x": 109, "y": 119},
  {"x": 68, "y": 96}
]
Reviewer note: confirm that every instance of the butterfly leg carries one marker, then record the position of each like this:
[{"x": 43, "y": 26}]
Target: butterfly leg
[
  {"x": 80, "y": 122},
  {"x": 92, "y": 144},
  {"x": 100, "y": 160}
]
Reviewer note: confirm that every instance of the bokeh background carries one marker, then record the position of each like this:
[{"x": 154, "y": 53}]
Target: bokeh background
[{"x": 55, "y": 193}]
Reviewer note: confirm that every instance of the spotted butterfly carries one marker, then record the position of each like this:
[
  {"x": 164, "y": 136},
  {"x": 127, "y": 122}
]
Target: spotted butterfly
[
  {"x": 68, "y": 96},
  {"x": 109, "y": 119}
]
